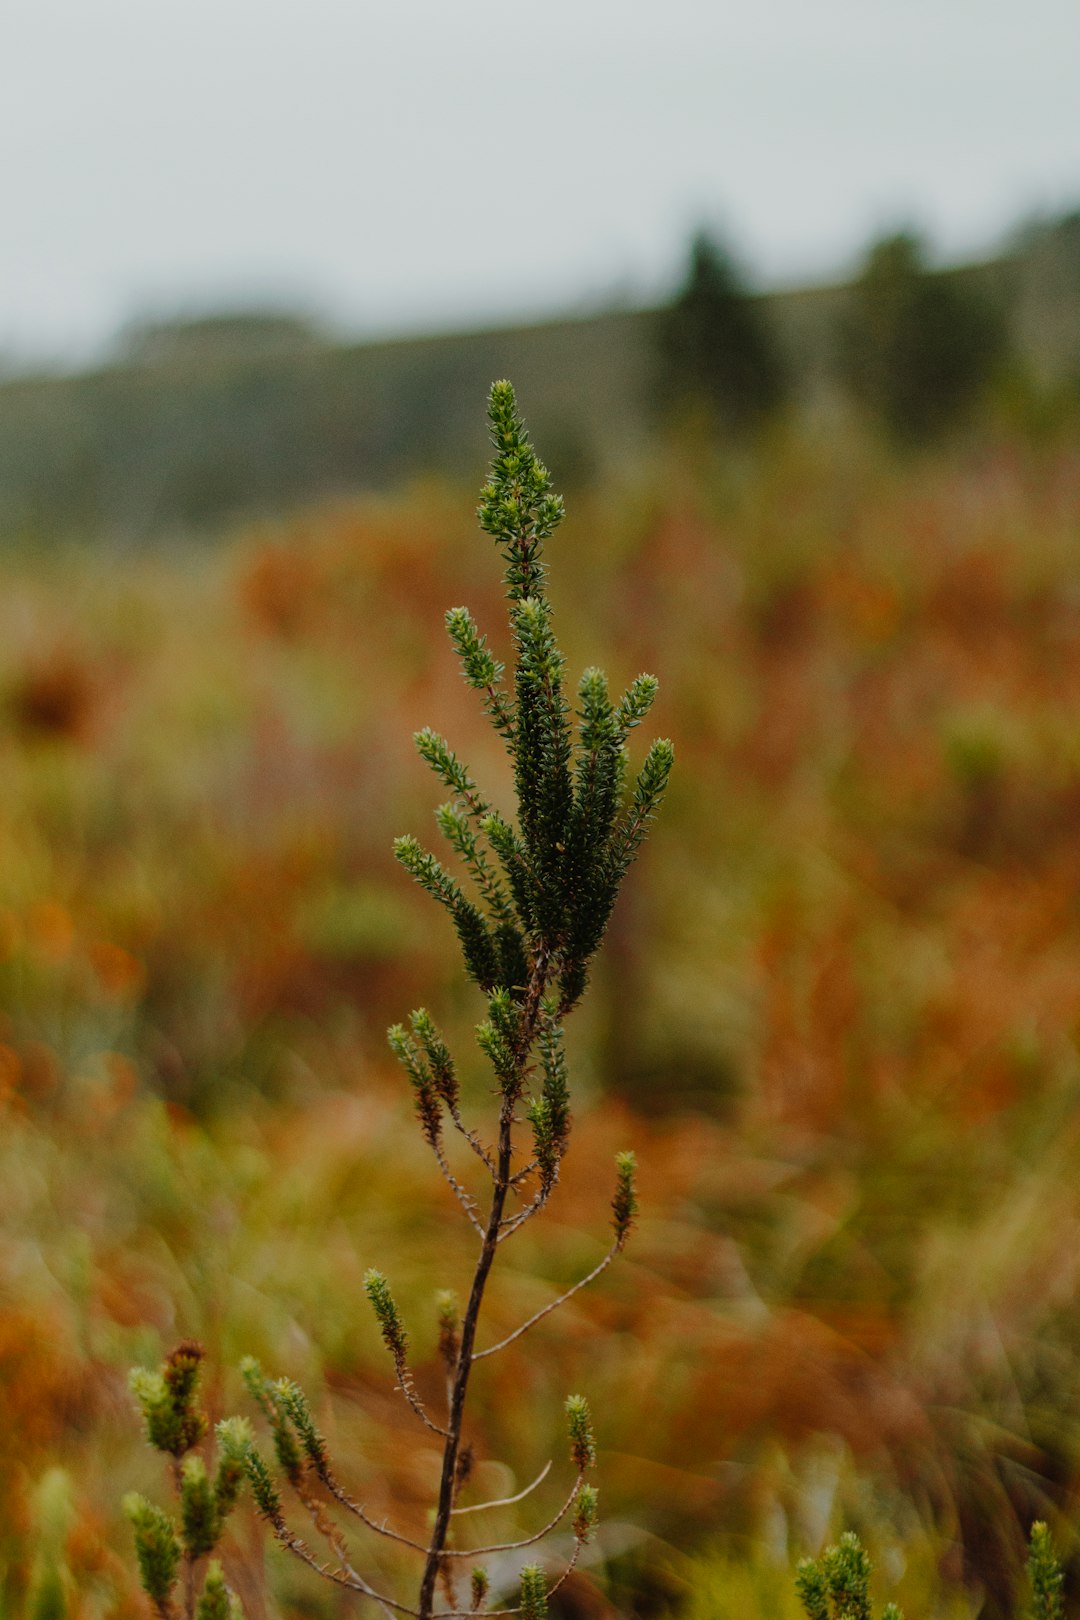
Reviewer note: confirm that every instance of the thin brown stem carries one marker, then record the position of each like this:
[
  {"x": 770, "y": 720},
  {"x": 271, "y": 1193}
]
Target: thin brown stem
[
  {"x": 464, "y": 1366},
  {"x": 470, "y": 1136},
  {"x": 533, "y": 1207},
  {"x": 508, "y": 1501},
  {"x": 528, "y": 1541},
  {"x": 554, "y": 1305},
  {"x": 189, "y": 1562},
  {"x": 464, "y": 1198},
  {"x": 518, "y": 1177},
  {"x": 357, "y": 1509},
  {"x": 408, "y": 1389},
  {"x": 501, "y": 1614},
  {"x": 501, "y": 1186},
  {"x": 471, "y": 1614},
  {"x": 569, "y": 1570},
  {"x": 499, "y": 710},
  {"x": 487, "y": 880},
  {"x": 344, "y": 1576}
]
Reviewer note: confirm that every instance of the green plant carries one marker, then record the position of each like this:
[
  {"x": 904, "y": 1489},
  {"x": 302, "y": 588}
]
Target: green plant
[
  {"x": 1045, "y": 1576},
  {"x": 544, "y": 886},
  {"x": 172, "y": 1555},
  {"x": 837, "y": 1586}
]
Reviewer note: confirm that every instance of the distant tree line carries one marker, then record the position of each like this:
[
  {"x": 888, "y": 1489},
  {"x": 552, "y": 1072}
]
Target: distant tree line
[
  {"x": 916, "y": 348},
  {"x": 198, "y": 423}
]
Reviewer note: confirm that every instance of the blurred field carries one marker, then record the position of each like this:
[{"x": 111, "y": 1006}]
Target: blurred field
[{"x": 837, "y": 1018}]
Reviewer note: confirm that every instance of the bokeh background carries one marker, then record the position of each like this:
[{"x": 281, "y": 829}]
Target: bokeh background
[{"x": 792, "y": 303}]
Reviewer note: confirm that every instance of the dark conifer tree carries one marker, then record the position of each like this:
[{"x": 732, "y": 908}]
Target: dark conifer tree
[
  {"x": 917, "y": 347},
  {"x": 716, "y": 349}
]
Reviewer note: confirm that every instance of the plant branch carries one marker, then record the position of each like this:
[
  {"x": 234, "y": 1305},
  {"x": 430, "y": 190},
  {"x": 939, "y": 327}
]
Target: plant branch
[
  {"x": 470, "y": 1136},
  {"x": 464, "y": 1198},
  {"x": 464, "y": 1366},
  {"x": 506, "y": 1501},
  {"x": 501, "y": 1614},
  {"x": 530, "y": 1012},
  {"x": 554, "y": 1305},
  {"x": 518, "y": 1220},
  {"x": 529, "y": 1541},
  {"x": 569, "y": 1570},
  {"x": 408, "y": 1389},
  {"x": 345, "y": 1576},
  {"x": 356, "y": 1508}
]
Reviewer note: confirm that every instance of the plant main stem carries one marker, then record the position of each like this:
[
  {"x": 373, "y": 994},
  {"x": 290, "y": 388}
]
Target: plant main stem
[
  {"x": 501, "y": 1179},
  {"x": 464, "y": 1366}
]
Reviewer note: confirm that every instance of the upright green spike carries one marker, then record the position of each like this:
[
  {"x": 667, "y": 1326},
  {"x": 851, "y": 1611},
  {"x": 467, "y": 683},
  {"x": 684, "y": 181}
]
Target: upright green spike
[
  {"x": 813, "y": 1589},
  {"x": 624, "y": 1205},
  {"x": 378, "y": 1292},
  {"x": 847, "y": 1575},
  {"x": 1044, "y": 1574},
  {"x": 235, "y": 1438},
  {"x": 157, "y": 1549},
  {"x": 579, "y": 1421},
  {"x": 198, "y": 1508},
  {"x": 217, "y": 1601},
  {"x": 533, "y": 1600}
]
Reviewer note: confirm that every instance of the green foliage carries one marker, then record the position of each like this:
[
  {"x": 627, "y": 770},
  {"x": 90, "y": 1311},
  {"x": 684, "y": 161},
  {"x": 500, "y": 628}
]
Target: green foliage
[
  {"x": 479, "y": 1586},
  {"x": 175, "y": 1425},
  {"x": 837, "y": 1587},
  {"x": 263, "y": 1489},
  {"x": 217, "y": 1601},
  {"x": 449, "y": 1328},
  {"x": 533, "y": 1598},
  {"x": 391, "y": 1327},
  {"x": 198, "y": 1508},
  {"x": 545, "y": 888},
  {"x": 562, "y": 865},
  {"x": 517, "y": 506},
  {"x": 235, "y": 1439},
  {"x": 545, "y": 881},
  {"x": 1045, "y": 1576},
  {"x": 271, "y": 1402},
  {"x": 918, "y": 347},
  {"x": 157, "y": 1548},
  {"x": 813, "y": 1589},
  {"x": 165, "y": 1399},
  {"x": 579, "y": 1423},
  {"x": 549, "y": 1113},
  {"x": 437, "y": 1054},
  {"x": 716, "y": 349},
  {"x": 585, "y": 1512},
  {"x": 295, "y": 1405},
  {"x": 847, "y": 1575},
  {"x": 425, "y": 1095},
  {"x": 624, "y": 1205},
  {"x": 482, "y": 961}
]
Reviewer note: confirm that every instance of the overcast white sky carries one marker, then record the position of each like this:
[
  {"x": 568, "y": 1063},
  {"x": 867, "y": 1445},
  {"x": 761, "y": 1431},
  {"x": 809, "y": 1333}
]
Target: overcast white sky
[{"x": 424, "y": 163}]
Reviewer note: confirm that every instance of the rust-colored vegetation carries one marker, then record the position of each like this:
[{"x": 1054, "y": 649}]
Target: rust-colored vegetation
[{"x": 838, "y": 1019}]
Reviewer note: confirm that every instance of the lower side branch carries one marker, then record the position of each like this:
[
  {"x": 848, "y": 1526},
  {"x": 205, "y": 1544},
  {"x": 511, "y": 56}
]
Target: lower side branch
[{"x": 554, "y": 1305}]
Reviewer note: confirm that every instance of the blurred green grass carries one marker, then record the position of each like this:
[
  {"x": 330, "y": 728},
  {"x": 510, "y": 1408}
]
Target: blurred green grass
[{"x": 837, "y": 1015}]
